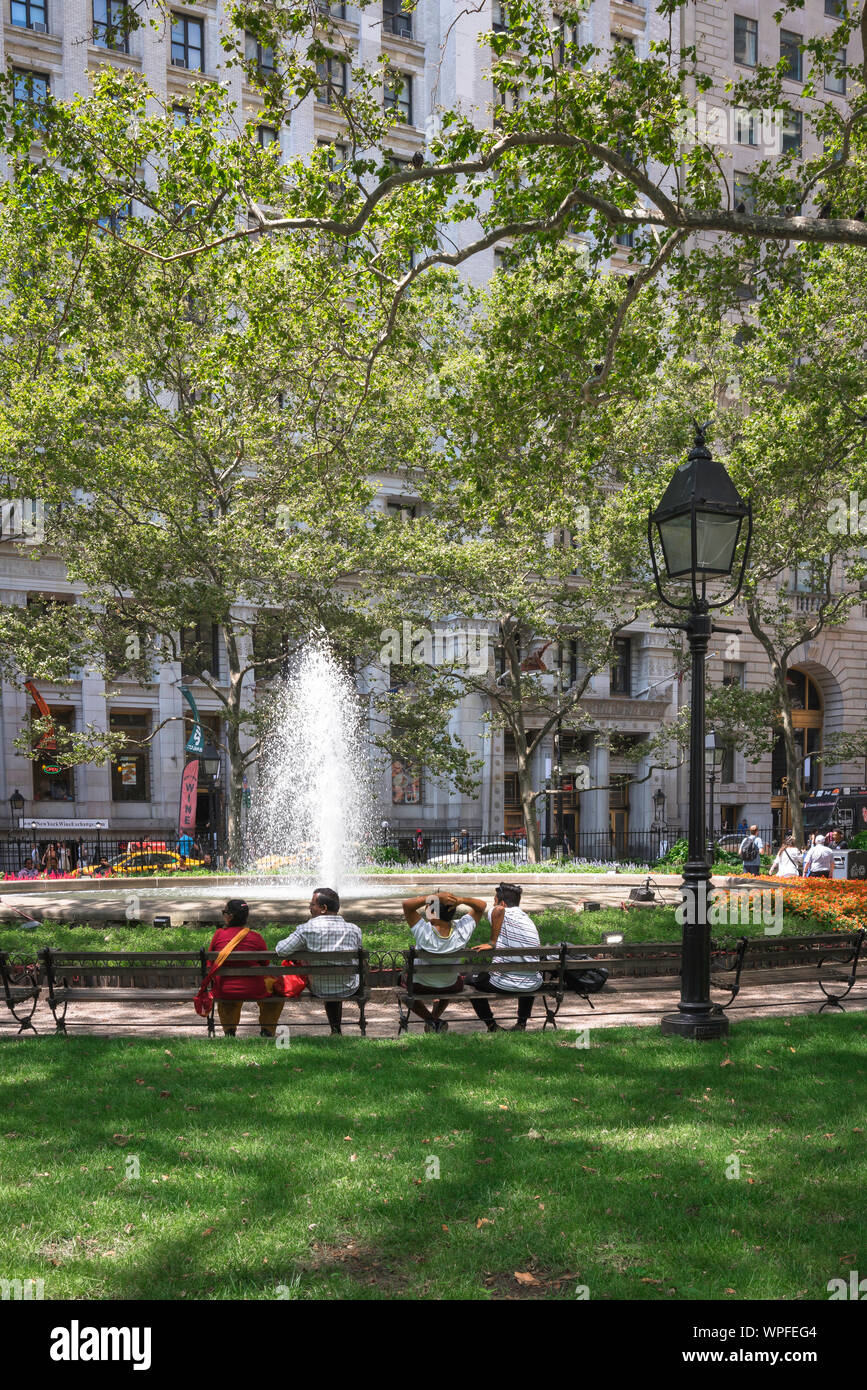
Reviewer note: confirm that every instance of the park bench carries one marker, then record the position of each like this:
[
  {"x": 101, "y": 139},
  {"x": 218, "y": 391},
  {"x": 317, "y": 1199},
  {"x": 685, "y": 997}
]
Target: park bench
[
  {"x": 324, "y": 965},
  {"x": 20, "y": 978},
  {"x": 635, "y": 960},
  {"x": 551, "y": 962},
  {"x": 168, "y": 977},
  {"x": 836, "y": 957},
  {"x": 172, "y": 976}
]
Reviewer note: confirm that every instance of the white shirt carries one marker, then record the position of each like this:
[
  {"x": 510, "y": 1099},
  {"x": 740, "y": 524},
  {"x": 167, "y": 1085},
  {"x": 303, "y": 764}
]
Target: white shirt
[
  {"x": 819, "y": 857},
  {"x": 428, "y": 939},
  {"x": 517, "y": 930},
  {"x": 788, "y": 862},
  {"x": 327, "y": 932}
]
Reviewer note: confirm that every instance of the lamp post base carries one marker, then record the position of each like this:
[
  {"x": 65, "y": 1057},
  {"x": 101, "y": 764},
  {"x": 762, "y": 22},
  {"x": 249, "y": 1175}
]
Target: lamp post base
[{"x": 703, "y": 1027}]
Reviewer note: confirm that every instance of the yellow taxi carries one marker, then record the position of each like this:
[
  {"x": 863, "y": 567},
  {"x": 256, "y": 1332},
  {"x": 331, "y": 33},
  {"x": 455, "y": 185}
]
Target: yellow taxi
[{"x": 142, "y": 859}]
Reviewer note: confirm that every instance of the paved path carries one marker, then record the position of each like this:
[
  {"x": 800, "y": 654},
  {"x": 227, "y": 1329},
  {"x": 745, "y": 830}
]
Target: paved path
[
  {"x": 380, "y": 902},
  {"x": 764, "y": 994}
]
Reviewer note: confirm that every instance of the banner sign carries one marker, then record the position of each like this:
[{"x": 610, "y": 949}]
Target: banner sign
[
  {"x": 189, "y": 796},
  {"x": 48, "y": 742},
  {"x": 25, "y": 823}
]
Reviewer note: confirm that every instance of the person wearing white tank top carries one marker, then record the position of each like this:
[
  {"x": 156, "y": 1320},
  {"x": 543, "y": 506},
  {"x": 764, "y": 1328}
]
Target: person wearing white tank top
[{"x": 511, "y": 928}]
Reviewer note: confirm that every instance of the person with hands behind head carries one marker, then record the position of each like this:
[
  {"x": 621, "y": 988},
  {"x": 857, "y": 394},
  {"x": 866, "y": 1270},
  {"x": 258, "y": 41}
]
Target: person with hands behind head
[{"x": 436, "y": 932}]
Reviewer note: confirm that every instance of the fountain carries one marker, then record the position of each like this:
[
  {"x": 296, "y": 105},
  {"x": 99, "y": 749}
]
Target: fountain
[{"x": 312, "y": 805}]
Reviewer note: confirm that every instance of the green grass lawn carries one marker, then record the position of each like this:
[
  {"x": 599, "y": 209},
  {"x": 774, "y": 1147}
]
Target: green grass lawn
[
  {"x": 309, "y": 1170},
  {"x": 656, "y": 924}
]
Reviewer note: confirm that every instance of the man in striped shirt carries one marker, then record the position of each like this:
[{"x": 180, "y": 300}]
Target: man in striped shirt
[
  {"x": 511, "y": 928},
  {"x": 326, "y": 931}
]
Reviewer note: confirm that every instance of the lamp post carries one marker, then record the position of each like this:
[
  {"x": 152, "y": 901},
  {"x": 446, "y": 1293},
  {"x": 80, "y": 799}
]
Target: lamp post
[
  {"x": 698, "y": 524},
  {"x": 209, "y": 762},
  {"x": 16, "y": 806},
  {"x": 715, "y": 751},
  {"x": 658, "y": 800}
]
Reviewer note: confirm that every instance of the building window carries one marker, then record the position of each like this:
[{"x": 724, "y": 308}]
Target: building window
[
  {"x": 727, "y": 769},
  {"x": 834, "y": 81},
  {"x": 334, "y": 8},
  {"x": 336, "y": 155},
  {"x": 395, "y": 20},
  {"x": 746, "y": 126},
  {"x": 332, "y": 81},
  {"x": 398, "y": 96},
  {"x": 834, "y": 8},
  {"x": 623, "y": 41},
  {"x": 744, "y": 197},
  {"x": 116, "y": 221},
  {"x": 188, "y": 43},
  {"x": 499, "y": 17},
  {"x": 626, "y": 238},
  {"x": 570, "y": 40},
  {"x": 621, "y": 675},
  {"x": 733, "y": 673},
  {"x": 130, "y": 769},
  {"x": 746, "y": 41},
  {"x": 790, "y": 50},
  {"x": 111, "y": 24},
  {"x": 200, "y": 650},
  {"x": 267, "y": 135},
  {"x": 261, "y": 58},
  {"x": 30, "y": 88},
  {"x": 793, "y": 132},
  {"x": 400, "y": 508},
  {"x": 51, "y": 782},
  {"x": 30, "y": 14}
]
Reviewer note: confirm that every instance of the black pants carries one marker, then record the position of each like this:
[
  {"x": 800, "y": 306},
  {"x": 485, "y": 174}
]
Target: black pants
[
  {"x": 334, "y": 1012},
  {"x": 483, "y": 1008}
]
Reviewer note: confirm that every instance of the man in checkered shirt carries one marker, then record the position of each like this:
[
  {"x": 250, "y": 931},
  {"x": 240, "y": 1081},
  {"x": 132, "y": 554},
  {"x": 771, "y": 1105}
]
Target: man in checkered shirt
[{"x": 326, "y": 931}]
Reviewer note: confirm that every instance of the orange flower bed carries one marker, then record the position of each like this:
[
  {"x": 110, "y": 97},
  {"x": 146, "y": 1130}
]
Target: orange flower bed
[{"x": 840, "y": 904}]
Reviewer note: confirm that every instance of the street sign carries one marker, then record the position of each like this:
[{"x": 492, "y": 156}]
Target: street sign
[{"x": 26, "y": 823}]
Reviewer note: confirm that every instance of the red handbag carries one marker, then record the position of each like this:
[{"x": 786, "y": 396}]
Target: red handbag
[
  {"x": 289, "y": 986},
  {"x": 204, "y": 1000}
]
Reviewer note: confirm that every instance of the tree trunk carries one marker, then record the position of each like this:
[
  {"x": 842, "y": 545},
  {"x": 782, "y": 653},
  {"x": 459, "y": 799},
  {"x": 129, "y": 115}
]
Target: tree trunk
[
  {"x": 528, "y": 808},
  {"x": 794, "y": 768}
]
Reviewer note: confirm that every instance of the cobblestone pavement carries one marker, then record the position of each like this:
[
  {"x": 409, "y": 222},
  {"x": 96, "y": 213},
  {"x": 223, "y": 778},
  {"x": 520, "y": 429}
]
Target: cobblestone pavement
[{"x": 642, "y": 1002}]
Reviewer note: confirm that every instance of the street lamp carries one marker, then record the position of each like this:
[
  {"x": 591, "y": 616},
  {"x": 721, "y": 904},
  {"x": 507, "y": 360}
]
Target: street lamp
[
  {"x": 16, "y": 803},
  {"x": 209, "y": 762},
  {"x": 658, "y": 799},
  {"x": 698, "y": 525},
  {"x": 715, "y": 752}
]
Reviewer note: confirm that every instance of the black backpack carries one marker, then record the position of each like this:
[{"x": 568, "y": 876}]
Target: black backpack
[{"x": 589, "y": 981}]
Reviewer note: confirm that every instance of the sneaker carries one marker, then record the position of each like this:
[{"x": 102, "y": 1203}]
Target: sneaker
[
  {"x": 265, "y": 1033},
  {"x": 520, "y": 1026},
  {"x": 430, "y": 1026},
  {"x": 441, "y": 1026},
  {"x": 494, "y": 1027},
  {"x": 336, "y": 1030}
]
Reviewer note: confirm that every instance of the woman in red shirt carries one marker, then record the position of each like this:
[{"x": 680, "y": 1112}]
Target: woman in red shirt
[{"x": 230, "y": 991}]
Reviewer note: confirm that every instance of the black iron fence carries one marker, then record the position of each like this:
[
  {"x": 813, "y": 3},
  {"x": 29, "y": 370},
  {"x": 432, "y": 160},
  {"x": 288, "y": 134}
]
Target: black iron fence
[
  {"x": 457, "y": 847},
  {"x": 21, "y": 855},
  {"x": 642, "y": 847}
]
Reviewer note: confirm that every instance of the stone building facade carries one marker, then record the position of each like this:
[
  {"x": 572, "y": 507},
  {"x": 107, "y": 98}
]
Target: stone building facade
[{"x": 437, "y": 48}]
